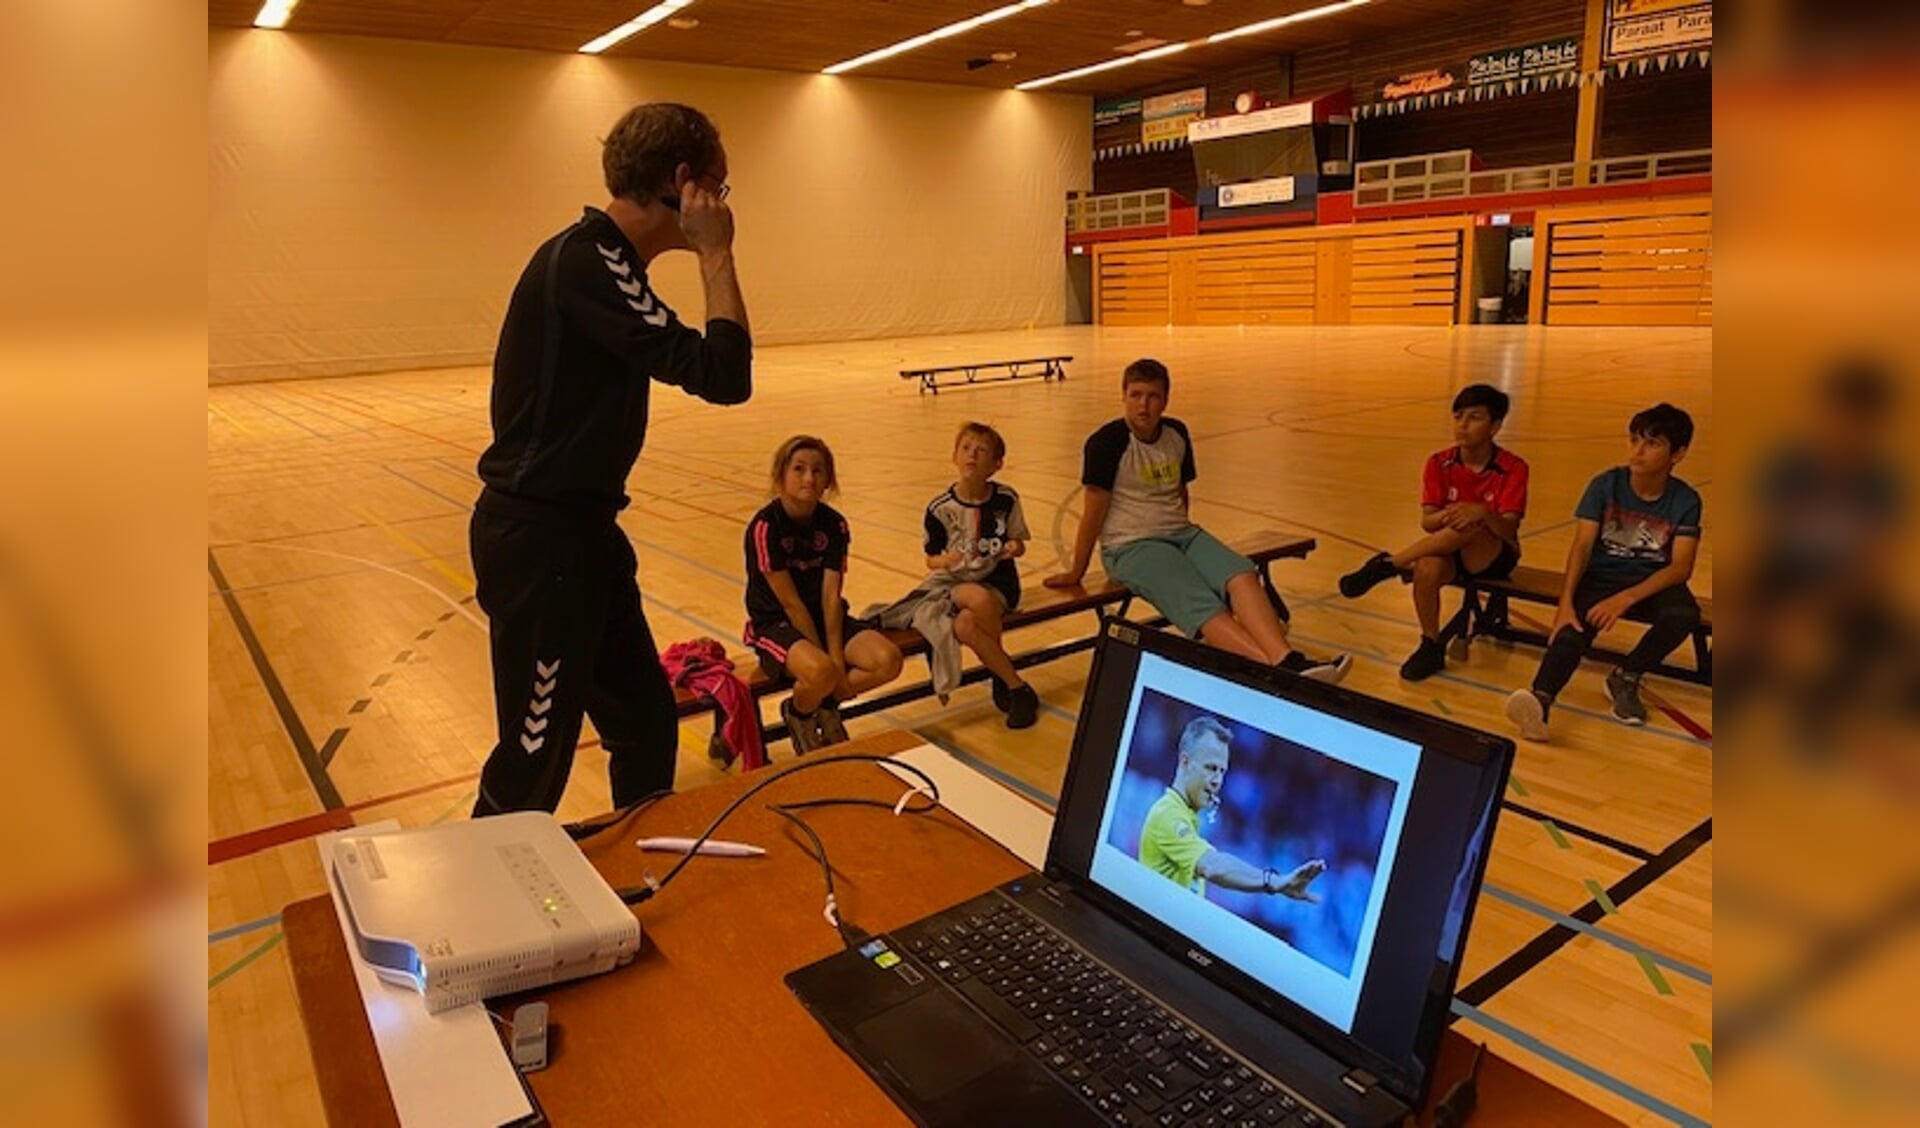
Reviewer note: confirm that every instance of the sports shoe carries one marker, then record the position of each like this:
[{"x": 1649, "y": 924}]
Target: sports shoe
[
  {"x": 1528, "y": 710},
  {"x": 1624, "y": 689},
  {"x": 1332, "y": 672},
  {"x": 1427, "y": 660},
  {"x": 1023, "y": 707},
  {"x": 804, "y": 731},
  {"x": 827, "y": 717},
  {"x": 1377, "y": 570},
  {"x": 1001, "y": 694}
]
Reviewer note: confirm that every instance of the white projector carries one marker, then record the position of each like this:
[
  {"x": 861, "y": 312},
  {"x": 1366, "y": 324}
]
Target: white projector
[{"x": 475, "y": 909}]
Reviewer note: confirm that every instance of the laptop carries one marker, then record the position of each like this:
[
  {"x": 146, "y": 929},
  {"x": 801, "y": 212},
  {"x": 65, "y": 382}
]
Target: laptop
[{"x": 1256, "y": 897}]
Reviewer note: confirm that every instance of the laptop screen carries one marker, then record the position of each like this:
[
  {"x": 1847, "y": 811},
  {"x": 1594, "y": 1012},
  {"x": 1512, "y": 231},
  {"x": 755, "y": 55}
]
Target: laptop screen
[{"x": 1316, "y": 849}]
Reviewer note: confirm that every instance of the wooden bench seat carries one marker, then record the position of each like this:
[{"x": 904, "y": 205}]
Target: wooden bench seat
[
  {"x": 1045, "y": 367},
  {"x": 1486, "y": 610},
  {"x": 1039, "y": 604}
]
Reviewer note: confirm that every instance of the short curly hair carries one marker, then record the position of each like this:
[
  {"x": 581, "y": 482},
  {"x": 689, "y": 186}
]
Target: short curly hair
[{"x": 650, "y": 141}]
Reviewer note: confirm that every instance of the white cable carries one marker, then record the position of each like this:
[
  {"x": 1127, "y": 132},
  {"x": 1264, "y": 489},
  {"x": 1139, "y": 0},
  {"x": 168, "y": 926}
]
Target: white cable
[{"x": 916, "y": 789}]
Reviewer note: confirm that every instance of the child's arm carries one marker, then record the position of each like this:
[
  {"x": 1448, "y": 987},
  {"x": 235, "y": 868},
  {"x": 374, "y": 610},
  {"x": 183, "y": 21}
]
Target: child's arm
[
  {"x": 946, "y": 561},
  {"x": 1093, "y": 515},
  {"x": 1610, "y": 610},
  {"x": 836, "y": 620},
  {"x": 1585, "y": 533},
  {"x": 1433, "y": 518},
  {"x": 1012, "y": 549},
  {"x": 789, "y": 596}
]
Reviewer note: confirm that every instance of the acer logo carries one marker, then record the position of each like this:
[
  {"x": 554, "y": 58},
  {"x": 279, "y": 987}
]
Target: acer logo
[{"x": 1199, "y": 957}]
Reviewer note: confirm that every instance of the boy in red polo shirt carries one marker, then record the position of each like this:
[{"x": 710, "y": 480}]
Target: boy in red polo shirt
[{"x": 1472, "y": 498}]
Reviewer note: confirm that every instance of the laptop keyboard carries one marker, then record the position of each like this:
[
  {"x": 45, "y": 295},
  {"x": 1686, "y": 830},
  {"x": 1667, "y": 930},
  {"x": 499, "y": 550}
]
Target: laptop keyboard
[{"x": 1134, "y": 1061}]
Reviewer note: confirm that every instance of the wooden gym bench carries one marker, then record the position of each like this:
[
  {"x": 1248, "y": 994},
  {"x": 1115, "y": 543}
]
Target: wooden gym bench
[
  {"x": 1045, "y": 367},
  {"x": 1039, "y": 604},
  {"x": 1486, "y": 611}
]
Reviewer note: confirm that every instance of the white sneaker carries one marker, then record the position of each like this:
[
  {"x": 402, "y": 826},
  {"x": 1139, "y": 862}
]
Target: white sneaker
[
  {"x": 1332, "y": 673},
  {"x": 1526, "y": 710}
]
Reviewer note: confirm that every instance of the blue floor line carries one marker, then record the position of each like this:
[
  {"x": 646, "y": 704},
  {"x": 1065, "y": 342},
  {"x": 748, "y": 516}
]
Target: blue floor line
[
  {"x": 242, "y": 929},
  {"x": 1600, "y": 934},
  {"x": 1574, "y": 1065}
]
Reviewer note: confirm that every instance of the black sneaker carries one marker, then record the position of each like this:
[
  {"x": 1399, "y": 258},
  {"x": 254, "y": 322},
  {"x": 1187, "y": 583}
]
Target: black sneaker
[
  {"x": 1023, "y": 707},
  {"x": 1002, "y": 699},
  {"x": 1377, "y": 570},
  {"x": 803, "y": 730},
  {"x": 1624, "y": 689},
  {"x": 831, "y": 728},
  {"x": 1333, "y": 672},
  {"x": 1528, "y": 710},
  {"x": 1427, "y": 660}
]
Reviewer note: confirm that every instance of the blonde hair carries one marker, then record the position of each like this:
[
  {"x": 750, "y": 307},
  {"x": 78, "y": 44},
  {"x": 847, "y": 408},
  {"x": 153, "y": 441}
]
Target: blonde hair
[
  {"x": 987, "y": 435},
  {"x": 793, "y": 446}
]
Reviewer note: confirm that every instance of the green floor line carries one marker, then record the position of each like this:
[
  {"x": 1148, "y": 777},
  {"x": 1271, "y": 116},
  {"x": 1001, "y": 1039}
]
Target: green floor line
[
  {"x": 1553, "y": 832},
  {"x": 1600, "y": 895},
  {"x": 227, "y": 973},
  {"x": 1444, "y": 711},
  {"x": 1703, "y": 1054},
  {"x": 1519, "y": 788},
  {"x": 1659, "y": 981}
]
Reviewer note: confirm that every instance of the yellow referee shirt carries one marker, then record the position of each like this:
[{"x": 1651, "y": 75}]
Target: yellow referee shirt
[{"x": 1170, "y": 842}]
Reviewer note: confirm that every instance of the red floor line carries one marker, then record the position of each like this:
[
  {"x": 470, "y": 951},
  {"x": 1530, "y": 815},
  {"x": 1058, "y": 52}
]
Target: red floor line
[
  {"x": 412, "y": 791},
  {"x": 266, "y": 838}
]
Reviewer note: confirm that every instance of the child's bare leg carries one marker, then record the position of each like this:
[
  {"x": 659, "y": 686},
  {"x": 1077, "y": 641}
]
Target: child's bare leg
[
  {"x": 1430, "y": 574},
  {"x": 1446, "y": 542},
  {"x": 813, "y": 674},
  {"x": 1224, "y": 632},
  {"x": 1254, "y": 612},
  {"x": 979, "y": 625},
  {"x": 872, "y": 661}
]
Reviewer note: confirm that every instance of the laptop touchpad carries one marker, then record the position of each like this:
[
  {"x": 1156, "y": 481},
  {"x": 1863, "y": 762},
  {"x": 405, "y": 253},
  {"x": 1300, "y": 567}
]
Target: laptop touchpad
[{"x": 934, "y": 1044}]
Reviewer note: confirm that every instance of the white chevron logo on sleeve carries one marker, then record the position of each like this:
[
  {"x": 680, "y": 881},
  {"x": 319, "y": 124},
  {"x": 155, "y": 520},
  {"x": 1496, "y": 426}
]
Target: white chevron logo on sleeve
[
  {"x": 644, "y": 303},
  {"x": 541, "y": 705},
  {"x": 546, "y": 670},
  {"x": 531, "y": 743},
  {"x": 536, "y": 726},
  {"x": 607, "y": 252},
  {"x": 620, "y": 268},
  {"x": 545, "y": 688},
  {"x": 631, "y": 287},
  {"x": 657, "y": 318}
]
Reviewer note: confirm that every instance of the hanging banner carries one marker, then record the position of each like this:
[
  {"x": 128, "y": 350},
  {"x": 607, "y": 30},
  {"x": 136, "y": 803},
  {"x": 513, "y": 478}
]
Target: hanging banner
[
  {"x": 1649, "y": 27},
  {"x": 1113, "y": 111},
  {"x": 1535, "y": 60},
  {"x": 1418, "y": 84},
  {"x": 1164, "y": 117},
  {"x": 1259, "y": 121}
]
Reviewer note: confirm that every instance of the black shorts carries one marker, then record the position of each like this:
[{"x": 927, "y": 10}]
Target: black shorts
[
  {"x": 1007, "y": 585},
  {"x": 773, "y": 640},
  {"x": 1500, "y": 569}
]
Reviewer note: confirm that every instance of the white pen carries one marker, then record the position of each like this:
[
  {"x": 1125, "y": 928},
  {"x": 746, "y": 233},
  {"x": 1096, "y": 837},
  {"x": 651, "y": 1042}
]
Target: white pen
[{"x": 714, "y": 846}]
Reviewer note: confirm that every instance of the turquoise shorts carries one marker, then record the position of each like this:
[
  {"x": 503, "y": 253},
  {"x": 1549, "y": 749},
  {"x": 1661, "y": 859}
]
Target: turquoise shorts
[{"x": 1184, "y": 576}]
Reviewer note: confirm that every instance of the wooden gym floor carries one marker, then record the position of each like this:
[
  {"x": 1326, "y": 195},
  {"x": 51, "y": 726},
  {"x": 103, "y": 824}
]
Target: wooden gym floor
[{"x": 349, "y": 680}]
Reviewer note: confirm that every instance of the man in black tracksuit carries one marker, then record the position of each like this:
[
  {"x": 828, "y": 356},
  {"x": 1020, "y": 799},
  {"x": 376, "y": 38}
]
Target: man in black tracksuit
[{"x": 584, "y": 338}]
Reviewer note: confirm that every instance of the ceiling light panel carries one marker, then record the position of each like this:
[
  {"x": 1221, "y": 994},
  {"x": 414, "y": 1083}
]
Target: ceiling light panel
[
  {"x": 634, "y": 26},
  {"x": 958, "y": 28}
]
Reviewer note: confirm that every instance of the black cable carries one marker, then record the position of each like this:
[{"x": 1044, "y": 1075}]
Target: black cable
[
  {"x": 635, "y": 895},
  {"x": 819, "y": 854},
  {"x": 587, "y": 828}
]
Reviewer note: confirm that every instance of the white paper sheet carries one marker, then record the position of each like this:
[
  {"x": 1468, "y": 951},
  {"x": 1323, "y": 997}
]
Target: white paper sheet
[
  {"x": 983, "y": 804},
  {"x": 443, "y": 1069}
]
